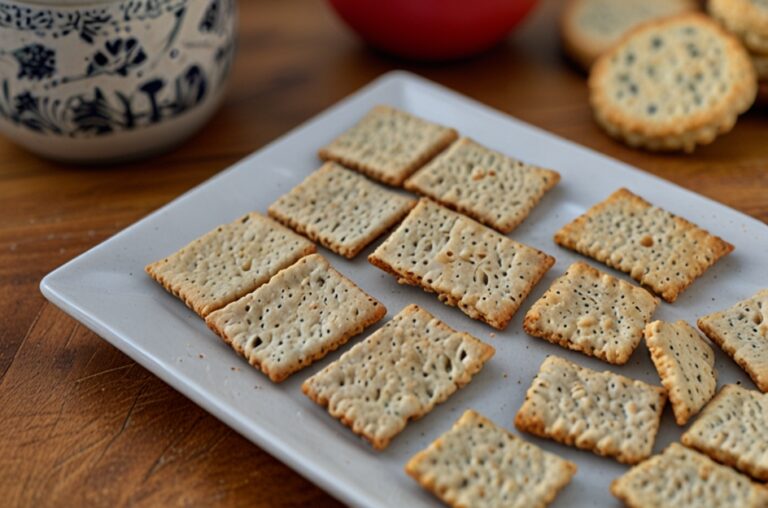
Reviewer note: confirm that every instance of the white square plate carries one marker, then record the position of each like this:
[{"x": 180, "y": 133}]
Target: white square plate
[{"x": 106, "y": 289}]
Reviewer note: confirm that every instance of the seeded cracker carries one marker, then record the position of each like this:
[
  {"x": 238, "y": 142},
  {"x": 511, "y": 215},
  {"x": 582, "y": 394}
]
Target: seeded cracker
[
  {"x": 490, "y": 187},
  {"x": 742, "y": 332},
  {"x": 686, "y": 366},
  {"x": 228, "y": 262},
  {"x": 340, "y": 209},
  {"x": 732, "y": 430},
  {"x": 303, "y": 313},
  {"x": 609, "y": 414},
  {"x": 397, "y": 374},
  {"x": 590, "y": 311},
  {"x": 656, "y": 248},
  {"x": 477, "y": 464},
  {"x": 683, "y": 478},
  {"x": 468, "y": 265},
  {"x": 389, "y": 144}
]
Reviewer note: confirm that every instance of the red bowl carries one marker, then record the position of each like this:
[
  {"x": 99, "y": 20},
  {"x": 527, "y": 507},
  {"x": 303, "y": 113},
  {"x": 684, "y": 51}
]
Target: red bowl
[{"x": 432, "y": 29}]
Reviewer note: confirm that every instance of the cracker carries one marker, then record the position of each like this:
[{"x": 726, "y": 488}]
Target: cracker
[
  {"x": 487, "y": 185},
  {"x": 686, "y": 366},
  {"x": 389, "y": 144},
  {"x": 478, "y": 464},
  {"x": 590, "y": 311},
  {"x": 303, "y": 313},
  {"x": 397, "y": 374},
  {"x": 341, "y": 209},
  {"x": 748, "y": 19},
  {"x": 656, "y": 248},
  {"x": 468, "y": 265},
  {"x": 589, "y": 28},
  {"x": 672, "y": 84},
  {"x": 603, "y": 412},
  {"x": 229, "y": 262},
  {"x": 732, "y": 430},
  {"x": 682, "y": 478},
  {"x": 742, "y": 332}
]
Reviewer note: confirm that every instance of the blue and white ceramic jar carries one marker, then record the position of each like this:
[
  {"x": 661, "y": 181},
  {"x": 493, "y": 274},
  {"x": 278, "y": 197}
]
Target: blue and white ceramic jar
[{"x": 95, "y": 80}]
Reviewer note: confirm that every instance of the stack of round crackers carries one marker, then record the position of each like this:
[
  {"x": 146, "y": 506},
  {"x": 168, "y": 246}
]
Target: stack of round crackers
[{"x": 748, "y": 20}]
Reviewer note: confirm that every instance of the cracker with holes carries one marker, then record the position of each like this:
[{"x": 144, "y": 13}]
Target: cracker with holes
[
  {"x": 732, "y": 430},
  {"x": 487, "y": 185},
  {"x": 589, "y": 28},
  {"x": 397, "y": 374},
  {"x": 662, "y": 251},
  {"x": 341, "y": 209},
  {"x": 389, "y": 144},
  {"x": 672, "y": 84},
  {"x": 683, "y": 478},
  {"x": 686, "y": 366},
  {"x": 748, "y": 19},
  {"x": 479, "y": 464},
  {"x": 590, "y": 311},
  {"x": 229, "y": 262},
  {"x": 608, "y": 414},
  {"x": 742, "y": 332},
  {"x": 303, "y": 313},
  {"x": 468, "y": 265}
]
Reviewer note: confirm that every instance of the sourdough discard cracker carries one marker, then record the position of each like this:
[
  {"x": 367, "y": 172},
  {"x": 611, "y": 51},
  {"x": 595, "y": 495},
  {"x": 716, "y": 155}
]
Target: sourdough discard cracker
[
  {"x": 341, "y": 209},
  {"x": 398, "y": 374},
  {"x": 468, "y": 265},
  {"x": 299, "y": 316},
  {"x": 732, "y": 430},
  {"x": 228, "y": 262},
  {"x": 477, "y": 464},
  {"x": 609, "y": 414},
  {"x": 686, "y": 366},
  {"x": 487, "y": 185},
  {"x": 742, "y": 332},
  {"x": 389, "y": 144},
  {"x": 590, "y": 311},
  {"x": 683, "y": 478},
  {"x": 656, "y": 248}
]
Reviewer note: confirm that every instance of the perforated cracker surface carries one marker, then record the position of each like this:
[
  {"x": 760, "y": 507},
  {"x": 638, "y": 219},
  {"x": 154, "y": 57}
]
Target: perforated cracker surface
[
  {"x": 656, "y": 248},
  {"x": 682, "y": 478},
  {"x": 604, "y": 412},
  {"x": 477, "y": 464},
  {"x": 299, "y": 316},
  {"x": 228, "y": 262},
  {"x": 389, "y": 144},
  {"x": 732, "y": 430},
  {"x": 340, "y": 209},
  {"x": 398, "y": 374},
  {"x": 592, "y": 312},
  {"x": 487, "y": 185},
  {"x": 686, "y": 365},
  {"x": 742, "y": 332},
  {"x": 468, "y": 265}
]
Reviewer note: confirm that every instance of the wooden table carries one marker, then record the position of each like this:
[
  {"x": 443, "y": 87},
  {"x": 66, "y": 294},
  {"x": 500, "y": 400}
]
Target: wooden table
[{"x": 80, "y": 423}]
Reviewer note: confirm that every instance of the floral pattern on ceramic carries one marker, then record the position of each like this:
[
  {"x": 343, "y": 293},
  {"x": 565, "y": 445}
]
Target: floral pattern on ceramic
[{"x": 111, "y": 67}]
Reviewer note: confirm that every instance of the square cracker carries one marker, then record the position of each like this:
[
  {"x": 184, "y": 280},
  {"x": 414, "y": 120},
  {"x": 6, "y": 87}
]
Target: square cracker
[
  {"x": 658, "y": 249},
  {"x": 303, "y": 313},
  {"x": 686, "y": 366},
  {"x": 397, "y": 374},
  {"x": 229, "y": 262},
  {"x": 732, "y": 430},
  {"x": 609, "y": 414},
  {"x": 487, "y": 185},
  {"x": 682, "y": 478},
  {"x": 340, "y": 209},
  {"x": 742, "y": 332},
  {"x": 590, "y": 311},
  {"x": 468, "y": 265},
  {"x": 481, "y": 465},
  {"x": 388, "y": 144}
]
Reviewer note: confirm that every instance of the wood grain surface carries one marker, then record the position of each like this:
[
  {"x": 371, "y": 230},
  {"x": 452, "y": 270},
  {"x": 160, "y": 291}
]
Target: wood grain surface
[{"x": 82, "y": 424}]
